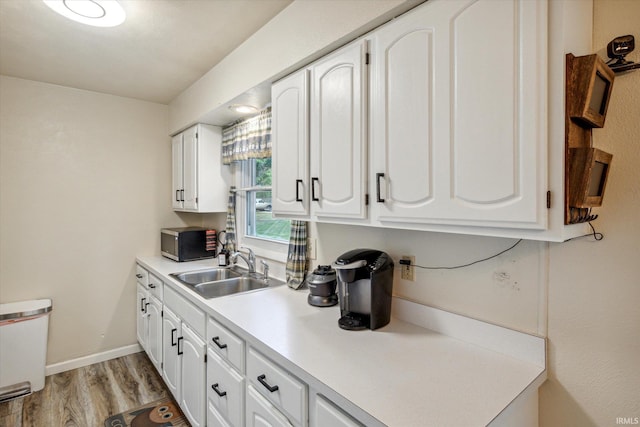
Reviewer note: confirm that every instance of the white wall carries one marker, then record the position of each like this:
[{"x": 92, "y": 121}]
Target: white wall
[
  {"x": 594, "y": 288},
  {"x": 84, "y": 188}
]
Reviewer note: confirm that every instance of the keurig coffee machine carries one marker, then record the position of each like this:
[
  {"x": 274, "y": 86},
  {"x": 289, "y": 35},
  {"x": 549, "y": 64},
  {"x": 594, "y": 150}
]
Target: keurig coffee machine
[{"x": 365, "y": 286}]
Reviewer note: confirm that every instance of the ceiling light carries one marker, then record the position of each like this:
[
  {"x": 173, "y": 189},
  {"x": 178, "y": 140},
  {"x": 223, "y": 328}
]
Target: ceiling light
[
  {"x": 99, "y": 13},
  {"x": 243, "y": 108}
]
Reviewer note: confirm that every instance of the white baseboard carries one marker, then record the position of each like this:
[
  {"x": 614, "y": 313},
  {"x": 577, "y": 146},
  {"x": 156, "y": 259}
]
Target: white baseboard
[{"x": 91, "y": 359}]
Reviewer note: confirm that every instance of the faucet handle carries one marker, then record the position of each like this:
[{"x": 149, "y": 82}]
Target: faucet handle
[{"x": 252, "y": 256}]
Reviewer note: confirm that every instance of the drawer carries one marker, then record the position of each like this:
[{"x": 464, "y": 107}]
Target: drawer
[
  {"x": 187, "y": 312},
  {"x": 142, "y": 276},
  {"x": 282, "y": 389},
  {"x": 225, "y": 389},
  {"x": 227, "y": 344},
  {"x": 155, "y": 286}
]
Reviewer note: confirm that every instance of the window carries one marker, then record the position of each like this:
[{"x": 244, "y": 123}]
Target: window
[{"x": 259, "y": 222}]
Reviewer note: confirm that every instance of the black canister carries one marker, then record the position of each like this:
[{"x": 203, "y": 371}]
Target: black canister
[{"x": 322, "y": 287}]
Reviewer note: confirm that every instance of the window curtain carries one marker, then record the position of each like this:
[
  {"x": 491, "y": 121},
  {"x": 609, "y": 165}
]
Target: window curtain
[
  {"x": 297, "y": 257},
  {"x": 247, "y": 139},
  {"x": 231, "y": 222}
]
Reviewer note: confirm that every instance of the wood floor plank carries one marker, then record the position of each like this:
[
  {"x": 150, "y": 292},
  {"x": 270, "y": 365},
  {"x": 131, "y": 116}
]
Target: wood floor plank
[{"x": 87, "y": 396}]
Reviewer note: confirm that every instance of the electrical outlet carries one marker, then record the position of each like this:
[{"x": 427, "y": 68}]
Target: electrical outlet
[
  {"x": 311, "y": 248},
  {"x": 407, "y": 272}
]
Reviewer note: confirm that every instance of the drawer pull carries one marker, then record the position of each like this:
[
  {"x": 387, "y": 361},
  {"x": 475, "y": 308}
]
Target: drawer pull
[
  {"x": 216, "y": 340},
  {"x": 313, "y": 189},
  {"x": 298, "y": 182},
  {"x": 218, "y": 392},
  {"x": 139, "y": 276},
  {"x": 152, "y": 286},
  {"x": 261, "y": 378},
  {"x": 378, "y": 198}
]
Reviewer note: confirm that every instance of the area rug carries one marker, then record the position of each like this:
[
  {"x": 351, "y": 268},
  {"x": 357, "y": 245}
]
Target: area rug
[{"x": 164, "y": 412}]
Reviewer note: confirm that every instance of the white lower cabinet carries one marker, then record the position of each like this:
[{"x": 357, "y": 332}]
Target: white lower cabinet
[
  {"x": 278, "y": 386},
  {"x": 261, "y": 413},
  {"x": 327, "y": 414},
  {"x": 141, "y": 321},
  {"x": 225, "y": 391},
  {"x": 154, "y": 331},
  {"x": 214, "y": 419},
  {"x": 184, "y": 355},
  {"x": 149, "y": 315}
]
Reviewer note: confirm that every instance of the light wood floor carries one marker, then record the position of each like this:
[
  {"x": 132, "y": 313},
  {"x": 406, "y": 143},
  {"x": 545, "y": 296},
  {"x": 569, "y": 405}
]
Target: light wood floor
[{"x": 85, "y": 397}]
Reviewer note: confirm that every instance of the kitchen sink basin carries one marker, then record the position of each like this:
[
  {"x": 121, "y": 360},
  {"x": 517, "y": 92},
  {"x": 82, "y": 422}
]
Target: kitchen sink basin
[
  {"x": 202, "y": 276},
  {"x": 230, "y": 286},
  {"x": 217, "y": 282}
]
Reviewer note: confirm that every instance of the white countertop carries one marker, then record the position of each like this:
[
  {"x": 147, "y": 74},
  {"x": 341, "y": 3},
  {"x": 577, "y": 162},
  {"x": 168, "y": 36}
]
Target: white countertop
[{"x": 402, "y": 374}]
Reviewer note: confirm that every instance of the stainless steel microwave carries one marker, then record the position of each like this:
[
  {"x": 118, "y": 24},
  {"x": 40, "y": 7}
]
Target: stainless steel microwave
[{"x": 188, "y": 243}]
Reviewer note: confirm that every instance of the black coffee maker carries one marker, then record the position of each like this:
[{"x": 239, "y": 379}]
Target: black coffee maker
[{"x": 365, "y": 286}]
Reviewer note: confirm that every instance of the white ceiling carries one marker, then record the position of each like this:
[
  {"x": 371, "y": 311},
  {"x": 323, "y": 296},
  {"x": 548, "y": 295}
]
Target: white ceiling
[{"x": 160, "y": 50}]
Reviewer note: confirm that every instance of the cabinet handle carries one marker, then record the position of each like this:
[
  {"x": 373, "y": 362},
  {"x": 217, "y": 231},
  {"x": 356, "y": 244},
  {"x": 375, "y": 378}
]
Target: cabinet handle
[
  {"x": 139, "y": 276},
  {"x": 182, "y": 195},
  {"x": 298, "y": 182},
  {"x": 152, "y": 286},
  {"x": 179, "y": 351},
  {"x": 218, "y": 392},
  {"x": 261, "y": 378},
  {"x": 378, "y": 198},
  {"x": 216, "y": 341},
  {"x": 173, "y": 337},
  {"x": 142, "y": 304},
  {"x": 145, "y": 307},
  {"x": 177, "y": 195},
  {"x": 313, "y": 189}
]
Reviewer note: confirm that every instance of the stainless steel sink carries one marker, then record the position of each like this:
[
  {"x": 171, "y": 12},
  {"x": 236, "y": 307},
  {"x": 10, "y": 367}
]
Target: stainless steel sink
[
  {"x": 230, "y": 286},
  {"x": 217, "y": 282},
  {"x": 201, "y": 276}
]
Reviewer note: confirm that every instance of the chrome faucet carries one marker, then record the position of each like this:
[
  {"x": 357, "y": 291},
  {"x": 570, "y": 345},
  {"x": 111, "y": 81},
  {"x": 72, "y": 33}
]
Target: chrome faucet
[{"x": 250, "y": 260}]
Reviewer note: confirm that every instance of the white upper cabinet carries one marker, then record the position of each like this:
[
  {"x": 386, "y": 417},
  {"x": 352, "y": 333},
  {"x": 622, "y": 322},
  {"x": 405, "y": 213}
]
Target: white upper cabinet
[
  {"x": 177, "y": 177},
  {"x": 338, "y": 136},
  {"x": 458, "y": 115},
  {"x": 320, "y": 138},
  {"x": 290, "y": 155},
  {"x": 200, "y": 180}
]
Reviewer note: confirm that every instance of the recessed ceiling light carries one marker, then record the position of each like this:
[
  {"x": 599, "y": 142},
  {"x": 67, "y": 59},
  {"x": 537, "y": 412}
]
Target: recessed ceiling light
[
  {"x": 243, "y": 109},
  {"x": 99, "y": 13}
]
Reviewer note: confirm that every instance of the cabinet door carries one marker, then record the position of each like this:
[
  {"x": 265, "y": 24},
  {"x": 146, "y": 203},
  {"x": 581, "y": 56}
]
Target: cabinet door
[
  {"x": 190, "y": 168},
  {"x": 290, "y": 157},
  {"x": 142, "y": 324},
  {"x": 192, "y": 382},
  {"x": 225, "y": 389},
  {"x": 338, "y": 134},
  {"x": 154, "y": 343},
  {"x": 261, "y": 413},
  {"x": 177, "y": 187},
  {"x": 326, "y": 414},
  {"x": 171, "y": 330},
  {"x": 408, "y": 116},
  {"x": 497, "y": 148},
  {"x": 214, "y": 419},
  {"x": 459, "y": 104}
]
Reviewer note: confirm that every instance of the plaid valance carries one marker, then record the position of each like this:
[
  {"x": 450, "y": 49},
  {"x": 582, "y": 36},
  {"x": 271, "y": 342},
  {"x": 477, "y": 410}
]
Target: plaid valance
[{"x": 247, "y": 139}]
